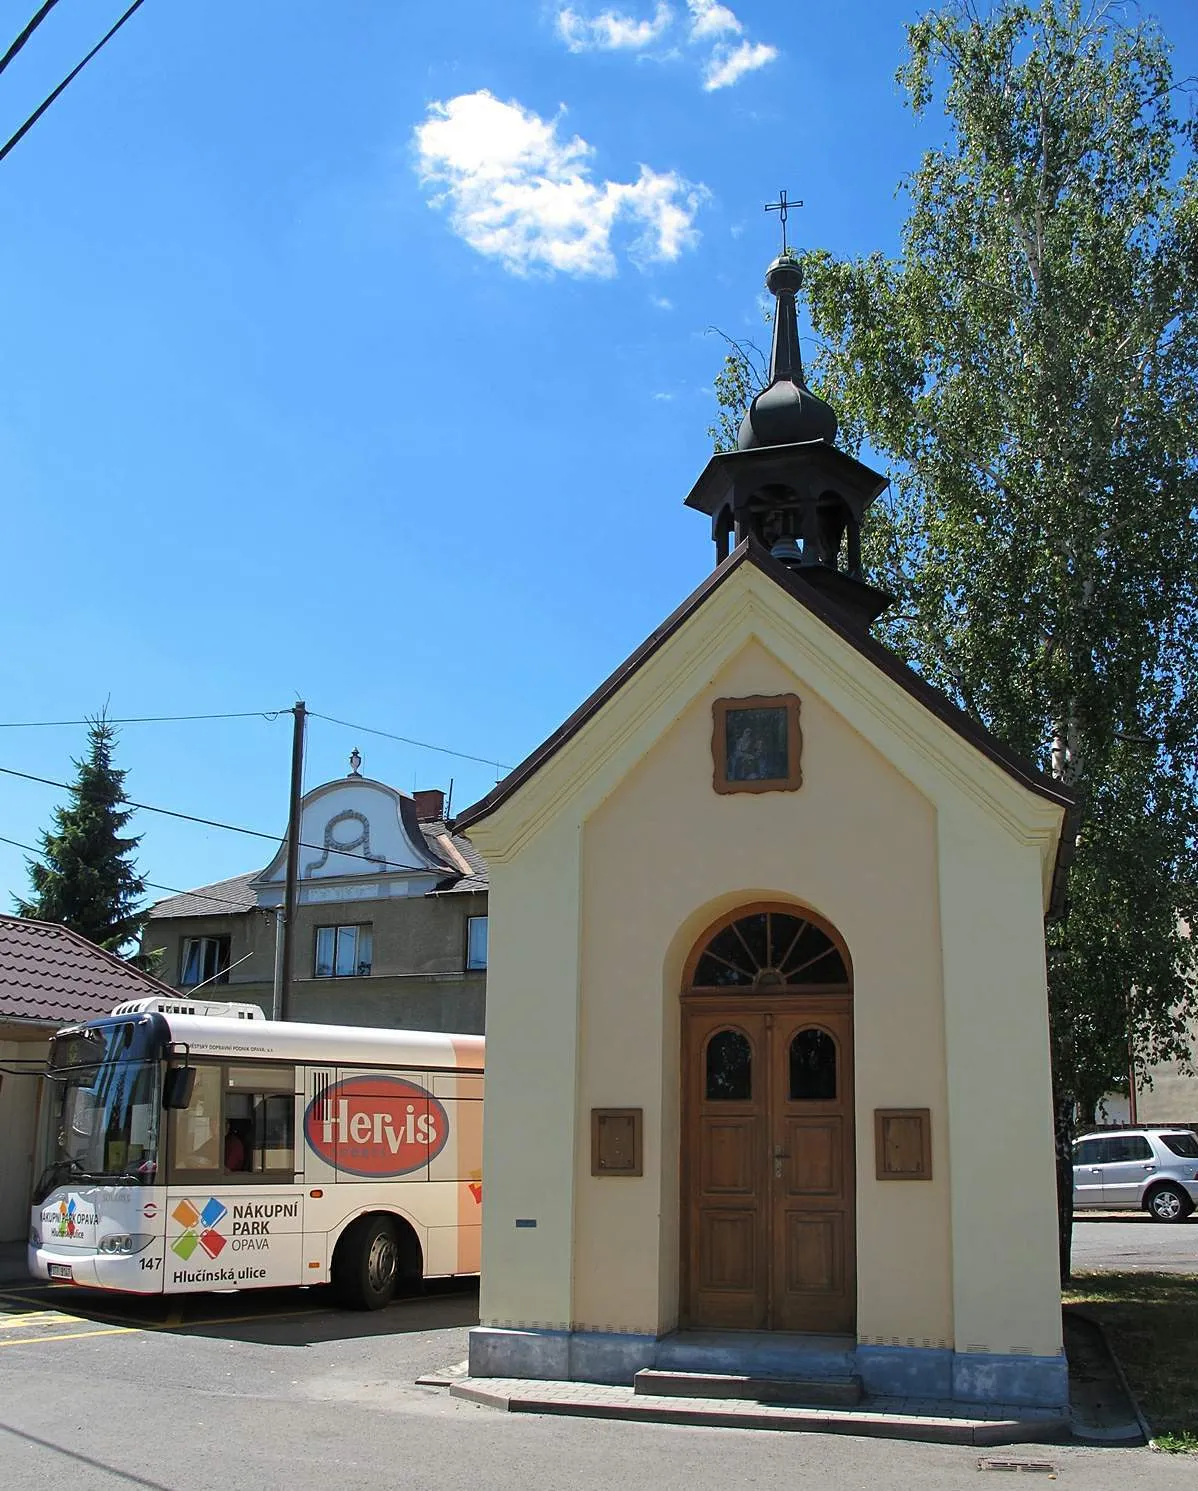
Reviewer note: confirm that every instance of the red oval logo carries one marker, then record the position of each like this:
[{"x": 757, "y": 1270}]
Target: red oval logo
[{"x": 376, "y": 1126}]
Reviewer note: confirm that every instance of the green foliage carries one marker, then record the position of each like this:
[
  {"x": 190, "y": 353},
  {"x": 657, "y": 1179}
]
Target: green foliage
[
  {"x": 1028, "y": 369},
  {"x": 742, "y": 375},
  {"x": 87, "y": 880}
]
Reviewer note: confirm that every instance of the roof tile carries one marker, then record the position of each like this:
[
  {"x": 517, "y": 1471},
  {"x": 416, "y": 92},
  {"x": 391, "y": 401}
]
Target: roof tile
[{"x": 51, "y": 975}]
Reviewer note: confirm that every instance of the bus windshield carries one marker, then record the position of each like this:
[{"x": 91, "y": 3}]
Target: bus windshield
[{"x": 101, "y": 1105}]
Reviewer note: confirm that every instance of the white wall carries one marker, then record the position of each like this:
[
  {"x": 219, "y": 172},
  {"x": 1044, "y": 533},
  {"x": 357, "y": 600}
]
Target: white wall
[{"x": 18, "y": 1118}]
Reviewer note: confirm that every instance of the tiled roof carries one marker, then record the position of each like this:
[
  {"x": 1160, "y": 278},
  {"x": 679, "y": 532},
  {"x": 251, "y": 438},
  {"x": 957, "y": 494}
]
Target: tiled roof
[
  {"x": 225, "y": 898},
  {"x": 52, "y": 975},
  {"x": 479, "y": 880},
  {"x": 231, "y": 897}
]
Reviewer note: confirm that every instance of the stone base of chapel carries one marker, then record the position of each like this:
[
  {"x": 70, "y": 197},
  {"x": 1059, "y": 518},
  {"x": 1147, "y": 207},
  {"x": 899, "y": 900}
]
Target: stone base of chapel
[{"x": 892, "y": 1371}]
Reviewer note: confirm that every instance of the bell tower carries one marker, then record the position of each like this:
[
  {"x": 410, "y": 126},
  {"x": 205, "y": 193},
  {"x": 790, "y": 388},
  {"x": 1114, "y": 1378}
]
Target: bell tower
[{"x": 787, "y": 484}]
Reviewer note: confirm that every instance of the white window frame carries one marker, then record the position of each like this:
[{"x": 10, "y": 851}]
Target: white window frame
[
  {"x": 219, "y": 974},
  {"x": 342, "y": 932},
  {"x": 476, "y": 932}
]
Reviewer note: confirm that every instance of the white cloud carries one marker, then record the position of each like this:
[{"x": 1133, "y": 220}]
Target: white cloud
[
  {"x": 710, "y": 18},
  {"x": 611, "y": 30},
  {"x": 727, "y": 65},
  {"x": 517, "y": 191},
  {"x": 663, "y": 398},
  {"x": 661, "y": 303},
  {"x": 710, "y": 28}
]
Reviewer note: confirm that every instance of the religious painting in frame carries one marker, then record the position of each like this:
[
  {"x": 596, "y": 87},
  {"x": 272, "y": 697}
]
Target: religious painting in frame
[{"x": 757, "y": 744}]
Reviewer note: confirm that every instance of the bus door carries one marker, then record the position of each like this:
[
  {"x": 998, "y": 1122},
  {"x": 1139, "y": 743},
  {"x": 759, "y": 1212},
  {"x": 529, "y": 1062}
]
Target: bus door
[{"x": 235, "y": 1202}]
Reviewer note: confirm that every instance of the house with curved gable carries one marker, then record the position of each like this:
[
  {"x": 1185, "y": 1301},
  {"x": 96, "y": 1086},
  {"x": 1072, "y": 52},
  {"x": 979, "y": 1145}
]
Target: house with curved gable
[{"x": 391, "y": 922}]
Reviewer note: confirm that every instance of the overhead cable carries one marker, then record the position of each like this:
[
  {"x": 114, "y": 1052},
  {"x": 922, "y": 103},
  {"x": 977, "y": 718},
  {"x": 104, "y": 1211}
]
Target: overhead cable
[
  {"x": 70, "y": 77},
  {"x": 150, "y": 719},
  {"x": 153, "y": 884},
  {"x": 406, "y": 740},
  {"x": 235, "y": 828},
  {"x": 27, "y": 33}
]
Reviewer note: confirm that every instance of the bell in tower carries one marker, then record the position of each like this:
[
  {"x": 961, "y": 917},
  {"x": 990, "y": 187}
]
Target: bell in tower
[{"x": 787, "y": 485}]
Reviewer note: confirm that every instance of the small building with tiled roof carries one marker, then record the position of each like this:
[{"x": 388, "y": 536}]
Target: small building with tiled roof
[
  {"x": 768, "y": 1082},
  {"x": 391, "y": 921},
  {"x": 49, "y": 977}
]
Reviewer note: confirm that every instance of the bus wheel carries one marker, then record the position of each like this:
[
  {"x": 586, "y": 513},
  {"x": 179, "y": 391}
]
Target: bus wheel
[{"x": 366, "y": 1264}]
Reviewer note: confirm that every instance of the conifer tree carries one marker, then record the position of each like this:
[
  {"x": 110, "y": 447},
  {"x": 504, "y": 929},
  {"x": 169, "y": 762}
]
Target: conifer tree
[{"x": 87, "y": 879}]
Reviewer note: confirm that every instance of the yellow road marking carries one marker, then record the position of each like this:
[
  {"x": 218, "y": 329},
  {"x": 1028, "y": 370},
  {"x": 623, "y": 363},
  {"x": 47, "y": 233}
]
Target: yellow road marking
[
  {"x": 31, "y": 1318},
  {"x": 121, "y": 1330},
  {"x": 106, "y": 1330}
]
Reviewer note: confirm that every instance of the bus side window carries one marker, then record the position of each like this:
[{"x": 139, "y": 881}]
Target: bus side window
[
  {"x": 197, "y": 1128},
  {"x": 274, "y": 1132},
  {"x": 260, "y": 1114}
]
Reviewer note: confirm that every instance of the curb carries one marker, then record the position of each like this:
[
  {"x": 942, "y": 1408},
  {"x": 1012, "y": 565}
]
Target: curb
[
  {"x": 810, "y": 1421},
  {"x": 1120, "y": 1376}
]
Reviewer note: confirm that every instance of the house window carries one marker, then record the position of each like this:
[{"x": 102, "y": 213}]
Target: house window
[
  {"x": 343, "y": 952},
  {"x": 205, "y": 960},
  {"x": 476, "y": 942}
]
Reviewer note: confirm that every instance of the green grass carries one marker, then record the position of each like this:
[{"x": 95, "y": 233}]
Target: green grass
[{"x": 1151, "y": 1321}]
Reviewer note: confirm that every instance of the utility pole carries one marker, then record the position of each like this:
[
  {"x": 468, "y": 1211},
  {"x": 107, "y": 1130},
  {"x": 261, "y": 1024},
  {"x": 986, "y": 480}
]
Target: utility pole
[{"x": 293, "y": 833}]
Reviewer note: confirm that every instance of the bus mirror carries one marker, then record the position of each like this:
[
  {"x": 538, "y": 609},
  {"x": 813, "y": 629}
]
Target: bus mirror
[{"x": 177, "y": 1088}]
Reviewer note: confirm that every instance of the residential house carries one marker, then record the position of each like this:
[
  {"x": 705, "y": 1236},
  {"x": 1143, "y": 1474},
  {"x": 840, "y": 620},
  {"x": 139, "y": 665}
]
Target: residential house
[{"x": 391, "y": 924}]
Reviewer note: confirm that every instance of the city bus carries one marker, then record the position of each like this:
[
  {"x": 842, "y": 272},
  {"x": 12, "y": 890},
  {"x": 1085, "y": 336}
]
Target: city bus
[{"x": 192, "y": 1145}]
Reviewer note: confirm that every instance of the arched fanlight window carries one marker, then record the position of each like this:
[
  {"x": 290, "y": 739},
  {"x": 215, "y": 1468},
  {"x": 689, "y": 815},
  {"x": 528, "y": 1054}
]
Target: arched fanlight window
[
  {"x": 729, "y": 1067},
  {"x": 770, "y": 949},
  {"x": 812, "y": 1066}
]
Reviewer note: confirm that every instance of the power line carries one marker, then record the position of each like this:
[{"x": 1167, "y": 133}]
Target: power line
[
  {"x": 70, "y": 77},
  {"x": 406, "y": 740},
  {"x": 269, "y": 715},
  {"x": 27, "y": 33},
  {"x": 153, "y": 884},
  {"x": 235, "y": 828}
]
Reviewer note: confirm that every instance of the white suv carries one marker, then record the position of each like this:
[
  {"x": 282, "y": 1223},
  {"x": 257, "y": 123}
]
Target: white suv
[{"x": 1152, "y": 1170}]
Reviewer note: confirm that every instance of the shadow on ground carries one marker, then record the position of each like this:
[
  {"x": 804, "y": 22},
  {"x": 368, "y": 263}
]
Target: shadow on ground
[{"x": 282, "y": 1317}]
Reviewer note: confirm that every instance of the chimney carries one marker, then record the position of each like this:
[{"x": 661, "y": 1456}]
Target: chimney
[{"x": 430, "y": 805}]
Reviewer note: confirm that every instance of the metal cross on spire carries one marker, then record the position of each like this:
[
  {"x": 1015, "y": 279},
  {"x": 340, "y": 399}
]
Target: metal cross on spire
[{"x": 780, "y": 207}]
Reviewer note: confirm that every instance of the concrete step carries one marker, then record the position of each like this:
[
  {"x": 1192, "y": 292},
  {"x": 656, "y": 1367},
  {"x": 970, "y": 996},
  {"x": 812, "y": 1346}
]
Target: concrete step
[
  {"x": 804, "y": 1358},
  {"x": 842, "y": 1392}
]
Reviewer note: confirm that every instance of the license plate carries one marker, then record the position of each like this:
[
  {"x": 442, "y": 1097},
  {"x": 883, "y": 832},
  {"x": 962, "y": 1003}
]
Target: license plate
[{"x": 60, "y": 1271}]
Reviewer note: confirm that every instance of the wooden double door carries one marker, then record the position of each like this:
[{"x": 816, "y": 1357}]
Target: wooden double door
[{"x": 769, "y": 1240}]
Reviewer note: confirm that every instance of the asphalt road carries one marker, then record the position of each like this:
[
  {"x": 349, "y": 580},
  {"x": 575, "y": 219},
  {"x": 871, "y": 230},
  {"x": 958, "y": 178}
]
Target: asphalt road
[
  {"x": 277, "y": 1390},
  {"x": 1131, "y": 1242}
]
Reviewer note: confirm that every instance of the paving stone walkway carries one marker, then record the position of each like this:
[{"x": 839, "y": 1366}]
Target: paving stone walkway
[{"x": 928, "y": 1419}]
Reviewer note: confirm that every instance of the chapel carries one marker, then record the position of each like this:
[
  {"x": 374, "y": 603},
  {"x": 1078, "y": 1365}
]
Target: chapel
[{"x": 768, "y": 1064}]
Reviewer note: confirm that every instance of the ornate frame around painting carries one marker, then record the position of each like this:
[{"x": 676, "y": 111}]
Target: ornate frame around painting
[{"x": 757, "y": 744}]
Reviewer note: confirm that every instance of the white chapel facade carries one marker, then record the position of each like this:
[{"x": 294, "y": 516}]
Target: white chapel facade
[{"x": 766, "y": 951}]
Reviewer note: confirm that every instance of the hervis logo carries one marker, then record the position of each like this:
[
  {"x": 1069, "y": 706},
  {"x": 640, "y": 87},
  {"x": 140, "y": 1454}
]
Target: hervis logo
[
  {"x": 376, "y": 1126},
  {"x": 199, "y": 1224}
]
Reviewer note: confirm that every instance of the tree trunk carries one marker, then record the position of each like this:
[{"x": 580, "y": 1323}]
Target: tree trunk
[{"x": 1063, "y": 1126}]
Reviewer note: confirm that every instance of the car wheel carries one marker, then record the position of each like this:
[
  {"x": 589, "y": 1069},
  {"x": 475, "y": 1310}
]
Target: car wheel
[
  {"x": 1168, "y": 1204},
  {"x": 366, "y": 1265}
]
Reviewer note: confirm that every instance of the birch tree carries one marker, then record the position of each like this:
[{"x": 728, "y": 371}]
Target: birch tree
[{"x": 1026, "y": 369}]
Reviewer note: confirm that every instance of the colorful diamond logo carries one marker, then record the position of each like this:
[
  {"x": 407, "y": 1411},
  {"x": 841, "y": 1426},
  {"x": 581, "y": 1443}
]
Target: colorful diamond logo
[
  {"x": 213, "y": 1212},
  {"x": 199, "y": 1228},
  {"x": 185, "y": 1245}
]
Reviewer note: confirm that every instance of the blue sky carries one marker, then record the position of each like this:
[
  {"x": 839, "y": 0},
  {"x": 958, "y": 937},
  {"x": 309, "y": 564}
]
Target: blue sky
[{"x": 360, "y": 352}]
